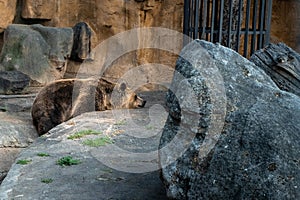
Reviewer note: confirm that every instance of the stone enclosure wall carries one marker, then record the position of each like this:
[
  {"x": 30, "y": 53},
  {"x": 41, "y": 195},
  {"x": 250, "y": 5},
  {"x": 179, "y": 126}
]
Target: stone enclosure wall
[{"x": 107, "y": 18}]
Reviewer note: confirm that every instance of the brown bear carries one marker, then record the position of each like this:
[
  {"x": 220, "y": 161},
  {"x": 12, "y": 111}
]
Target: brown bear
[{"x": 63, "y": 99}]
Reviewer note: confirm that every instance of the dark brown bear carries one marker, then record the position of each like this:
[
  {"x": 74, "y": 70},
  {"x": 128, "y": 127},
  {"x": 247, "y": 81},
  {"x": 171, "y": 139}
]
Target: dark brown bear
[{"x": 64, "y": 99}]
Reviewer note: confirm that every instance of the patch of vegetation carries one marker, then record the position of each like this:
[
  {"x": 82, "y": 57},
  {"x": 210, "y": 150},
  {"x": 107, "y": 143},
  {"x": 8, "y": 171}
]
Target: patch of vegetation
[
  {"x": 23, "y": 162},
  {"x": 119, "y": 123},
  {"x": 83, "y": 133},
  {"x": 149, "y": 127},
  {"x": 102, "y": 141},
  {"x": 67, "y": 161},
  {"x": 47, "y": 180},
  {"x": 43, "y": 154}
]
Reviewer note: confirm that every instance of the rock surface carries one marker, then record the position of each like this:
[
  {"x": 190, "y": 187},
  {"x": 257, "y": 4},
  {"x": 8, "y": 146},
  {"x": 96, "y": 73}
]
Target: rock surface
[
  {"x": 16, "y": 130},
  {"x": 255, "y": 155},
  {"x": 41, "y": 9},
  {"x": 13, "y": 82},
  {"x": 7, "y": 13},
  {"x": 282, "y": 64},
  {"x": 38, "y": 51},
  {"x": 103, "y": 173}
]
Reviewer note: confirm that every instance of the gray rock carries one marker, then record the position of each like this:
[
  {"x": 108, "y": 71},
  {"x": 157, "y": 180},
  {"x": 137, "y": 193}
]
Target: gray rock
[
  {"x": 16, "y": 131},
  {"x": 91, "y": 179},
  {"x": 16, "y": 103},
  {"x": 81, "y": 42},
  {"x": 282, "y": 64},
  {"x": 38, "y": 51},
  {"x": 8, "y": 156},
  {"x": 13, "y": 82},
  {"x": 231, "y": 132}
]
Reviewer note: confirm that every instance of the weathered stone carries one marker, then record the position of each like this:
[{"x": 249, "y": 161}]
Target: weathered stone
[
  {"x": 91, "y": 179},
  {"x": 255, "y": 155},
  {"x": 282, "y": 64},
  {"x": 38, "y": 51},
  {"x": 81, "y": 42},
  {"x": 13, "y": 82},
  {"x": 41, "y": 9},
  {"x": 16, "y": 103},
  {"x": 8, "y": 156},
  {"x": 7, "y": 13},
  {"x": 16, "y": 131}
]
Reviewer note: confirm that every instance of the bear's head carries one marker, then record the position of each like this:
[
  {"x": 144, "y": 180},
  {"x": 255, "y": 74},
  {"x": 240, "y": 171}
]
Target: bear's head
[{"x": 124, "y": 97}]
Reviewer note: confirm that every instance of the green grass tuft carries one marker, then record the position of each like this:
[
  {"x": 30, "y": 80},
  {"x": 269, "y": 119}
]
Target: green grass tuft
[
  {"x": 83, "y": 133},
  {"x": 119, "y": 123},
  {"x": 47, "y": 180},
  {"x": 43, "y": 154},
  {"x": 23, "y": 162},
  {"x": 67, "y": 161},
  {"x": 102, "y": 141}
]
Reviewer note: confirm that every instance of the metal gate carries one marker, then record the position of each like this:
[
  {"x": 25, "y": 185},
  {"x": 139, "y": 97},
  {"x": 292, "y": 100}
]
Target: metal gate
[{"x": 243, "y": 25}]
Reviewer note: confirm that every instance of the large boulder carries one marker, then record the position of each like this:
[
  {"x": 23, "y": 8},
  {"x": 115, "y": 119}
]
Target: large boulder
[
  {"x": 38, "y": 51},
  {"x": 236, "y": 132},
  {"x": 7, "y": 13},
  {"x": 282, "y": 64},
  {"x": 13, "y": 82}
]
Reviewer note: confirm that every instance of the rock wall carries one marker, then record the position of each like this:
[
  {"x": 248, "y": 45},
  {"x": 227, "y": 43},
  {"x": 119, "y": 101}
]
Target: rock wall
[{"x": 110, "y": 17}]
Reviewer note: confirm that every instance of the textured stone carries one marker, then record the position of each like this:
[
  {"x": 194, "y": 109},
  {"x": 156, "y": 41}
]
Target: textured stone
[
  {"x": 38, "y": 51},
  {"x": 282, "y": 64},
  {"x": 38, "y": 9},
  {"x": 13, "y": 82},
  {"x": 16, "y": 131},
  {"x": 7, "y": 13},
  {"x": 92, "y": 178},
  {"x": 255, "y": 155},
  {"x": 8, "y": 156},
  {"x": 82, "y": 42}
]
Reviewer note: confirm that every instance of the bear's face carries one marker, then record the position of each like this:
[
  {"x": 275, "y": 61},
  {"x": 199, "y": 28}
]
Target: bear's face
[{"x": 123, "y": 97}]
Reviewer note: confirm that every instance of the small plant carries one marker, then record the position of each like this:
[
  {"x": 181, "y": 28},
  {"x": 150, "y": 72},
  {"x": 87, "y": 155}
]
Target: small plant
[
  {"x": 47, "y": 180},
  {"x": 43, "y": 154},
  {"x": 23, "y": 162},
  {"x": 98, "y": 141},
  {"x": 149, "y": 127},
  {"x": 83, "y": 133},
  {"x": 67, "y": 161},
  {"x": 119, "y": 123}
]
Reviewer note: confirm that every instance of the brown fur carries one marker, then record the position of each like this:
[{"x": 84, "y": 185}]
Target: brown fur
[{"x": 64, "y": 99}]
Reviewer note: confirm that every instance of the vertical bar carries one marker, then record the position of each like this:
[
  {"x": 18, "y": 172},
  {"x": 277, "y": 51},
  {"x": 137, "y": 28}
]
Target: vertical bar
[
  {"x": 238, "y": 35},
  {"x": 247, "y": 27},
  {"x": 212, "y": 20},
  {"x": 208, "y": 19},
  {"x": 230, "y": 24},
  {"x": 204, "y": 16},
  {"x": 186, "y": 17},
  {"x": 268, "y": 25},
  {"x": 196, "y": 19},
  {"x": 261, "y": 24},
  {"x": 221, "y": 21},
  {"x": 253, "y": 39},
  {"x": 186, "y": 21}
]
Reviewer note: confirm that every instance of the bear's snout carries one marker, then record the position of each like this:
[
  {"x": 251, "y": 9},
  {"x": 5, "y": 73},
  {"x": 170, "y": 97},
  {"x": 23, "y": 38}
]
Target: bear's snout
[{"x": 142, "y": 105}]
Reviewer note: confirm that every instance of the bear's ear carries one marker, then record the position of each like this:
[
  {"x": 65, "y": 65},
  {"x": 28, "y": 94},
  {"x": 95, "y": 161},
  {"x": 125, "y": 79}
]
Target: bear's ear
[{"x": 123, "y": 87}]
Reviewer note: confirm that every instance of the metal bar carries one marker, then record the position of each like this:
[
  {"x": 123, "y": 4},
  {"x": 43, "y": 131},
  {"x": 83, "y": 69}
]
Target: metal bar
[
  {"x": 204, "y": 16},
  {"x": 238, "y": 35},
  {"x": 221, "y": 21},
  {"x": 268, "y": 25},
  {"x": 186, "y": 21},
  {"x": 212, "y": 20},
  {"x": 196, "y": 20},
  {"x": 261, "y": 24},
  {"x": 247, "y": 28},
  {"x": 230, "y": 24},
  {"x": 253, "y": 38}
]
